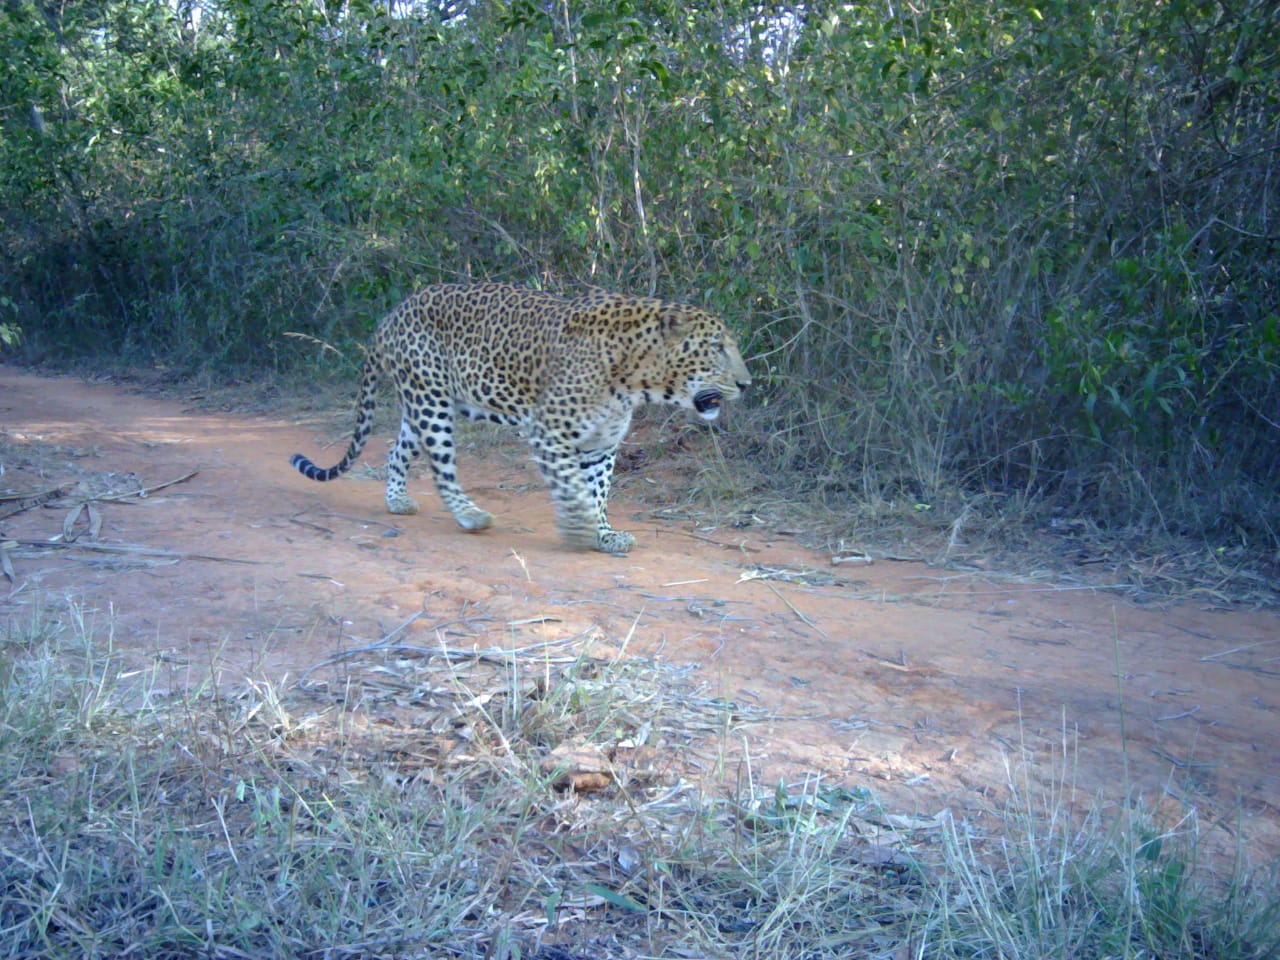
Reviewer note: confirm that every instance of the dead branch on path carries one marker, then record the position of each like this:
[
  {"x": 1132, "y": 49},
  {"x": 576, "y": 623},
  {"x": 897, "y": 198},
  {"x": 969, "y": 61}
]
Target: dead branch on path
[{"x": 127, "y": 548}]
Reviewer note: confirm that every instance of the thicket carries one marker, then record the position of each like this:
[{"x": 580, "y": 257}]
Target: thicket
[{"x": 1024, "y": 251}]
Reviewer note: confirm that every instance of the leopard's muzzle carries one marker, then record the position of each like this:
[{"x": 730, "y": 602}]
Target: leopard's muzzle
[{"x": 707, "y": 403}]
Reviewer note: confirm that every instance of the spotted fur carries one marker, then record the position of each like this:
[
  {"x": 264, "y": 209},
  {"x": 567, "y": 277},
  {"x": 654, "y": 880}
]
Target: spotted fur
[{"x": 569, "y": 372}]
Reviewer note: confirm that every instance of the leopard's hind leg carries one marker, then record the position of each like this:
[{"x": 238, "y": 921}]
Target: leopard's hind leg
[{"x": 426, "y": 426}]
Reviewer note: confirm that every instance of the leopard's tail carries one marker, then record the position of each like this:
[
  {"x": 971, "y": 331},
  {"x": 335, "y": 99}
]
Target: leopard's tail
[{"x": 364, "y": 424}]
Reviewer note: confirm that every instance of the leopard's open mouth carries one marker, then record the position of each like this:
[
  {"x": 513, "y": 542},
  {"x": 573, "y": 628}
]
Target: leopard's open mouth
[{"x": 707, "y": 402}]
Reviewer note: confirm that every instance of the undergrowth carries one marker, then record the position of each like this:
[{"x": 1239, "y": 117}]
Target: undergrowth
[{"x": 306, "y": 821}]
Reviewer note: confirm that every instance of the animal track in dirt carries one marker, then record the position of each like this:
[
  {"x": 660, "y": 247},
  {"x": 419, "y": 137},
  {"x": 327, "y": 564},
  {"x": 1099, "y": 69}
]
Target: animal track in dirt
[{"x": 933, "y": 688}]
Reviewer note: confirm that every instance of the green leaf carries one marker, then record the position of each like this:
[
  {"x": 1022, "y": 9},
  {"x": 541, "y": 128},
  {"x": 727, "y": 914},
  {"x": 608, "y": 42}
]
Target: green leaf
[{"x": 617, "y": 899}]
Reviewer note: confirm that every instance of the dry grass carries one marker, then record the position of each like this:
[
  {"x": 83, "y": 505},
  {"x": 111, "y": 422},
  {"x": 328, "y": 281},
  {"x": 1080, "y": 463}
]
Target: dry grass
[{"x": 413, "y": 801}]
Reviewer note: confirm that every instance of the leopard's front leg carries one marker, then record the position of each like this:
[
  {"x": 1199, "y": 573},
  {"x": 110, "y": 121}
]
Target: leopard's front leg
[
  {"x": 579, "y": 488},
  {"x": 597, "y": 475}
]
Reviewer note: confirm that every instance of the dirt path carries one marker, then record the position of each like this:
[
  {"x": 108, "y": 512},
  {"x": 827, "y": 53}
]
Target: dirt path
[{"x": 922, "y": 684}]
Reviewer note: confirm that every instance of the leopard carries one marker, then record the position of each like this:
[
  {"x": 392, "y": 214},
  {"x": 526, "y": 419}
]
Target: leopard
[{"x": 567, "y": 371}]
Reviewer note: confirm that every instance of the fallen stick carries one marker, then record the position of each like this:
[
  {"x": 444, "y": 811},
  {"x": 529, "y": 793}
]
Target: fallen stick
[
  {"x": 142, "y": 492},
  {"x": 451, "y": 654},
  {"x": 29, "y": 499},
  {"x": 128, "y": 548},
  {"x": 33, "y": 494}
]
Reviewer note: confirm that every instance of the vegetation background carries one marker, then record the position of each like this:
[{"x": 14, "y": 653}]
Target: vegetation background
[{"x": 992, "y": 252}]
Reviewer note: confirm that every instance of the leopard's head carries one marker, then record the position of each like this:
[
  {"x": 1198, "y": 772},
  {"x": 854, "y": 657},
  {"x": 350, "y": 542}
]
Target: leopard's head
[{"x": 705, "y": 365}]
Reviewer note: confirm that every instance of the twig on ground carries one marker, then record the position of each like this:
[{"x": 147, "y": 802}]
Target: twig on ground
[
  {"x": 28, "y": 499},
  {"x": 1240, "y": 649},
  {"x": 792, "y": 607},
  {"x": 1183, "y": 764},
  {"x": 377, "y": 523},
  {"x": 310, "y": 525},
  {"x": 129, "y": 549},
  {"x": 141, "y": 493},
  {"x": 1179, "y": 716},
  {"x": 491, "y": 655}
]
